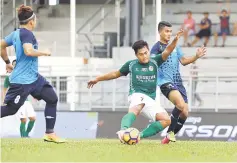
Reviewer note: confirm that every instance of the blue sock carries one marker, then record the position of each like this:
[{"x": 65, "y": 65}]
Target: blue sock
[{"x": 50, "y": 117}]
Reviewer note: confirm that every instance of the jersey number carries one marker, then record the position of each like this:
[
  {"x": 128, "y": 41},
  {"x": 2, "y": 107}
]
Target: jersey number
[{"x": 17, "y": 99}]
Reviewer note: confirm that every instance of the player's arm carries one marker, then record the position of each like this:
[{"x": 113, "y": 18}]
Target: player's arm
[
  {"x": 104, "y": 77},
  {"x": 168, "y": 50},
  {"x": 27, "y": 40},
  {"x": 4, "y": 55},
  {"x": 30, "y": 51},
  {"x": 123, "y": 71},
  {"x": 187, "y": 60},
  {"x": 228, "y": 4}
]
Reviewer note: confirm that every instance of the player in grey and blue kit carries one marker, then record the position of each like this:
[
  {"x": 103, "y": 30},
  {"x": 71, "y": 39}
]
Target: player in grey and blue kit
[
  {"x": 170, "y": 81},
  {"x": 25, "y": 79}
]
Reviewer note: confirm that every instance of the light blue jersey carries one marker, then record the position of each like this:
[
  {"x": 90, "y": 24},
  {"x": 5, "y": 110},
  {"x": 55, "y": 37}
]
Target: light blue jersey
[
  {"x": 169, "y": 71},
  {"x": 26, "y": 69}
]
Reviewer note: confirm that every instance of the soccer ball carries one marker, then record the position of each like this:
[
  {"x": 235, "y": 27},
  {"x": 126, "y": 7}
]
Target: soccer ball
[{"x": 131, "y": 136}]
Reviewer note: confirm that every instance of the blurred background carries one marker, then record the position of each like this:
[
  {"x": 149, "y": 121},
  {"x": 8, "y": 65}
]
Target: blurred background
[{"x": 91, "y": 37}]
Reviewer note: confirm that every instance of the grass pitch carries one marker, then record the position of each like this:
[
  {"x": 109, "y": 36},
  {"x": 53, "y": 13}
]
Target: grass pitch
[{"x": 104, "y": 150}]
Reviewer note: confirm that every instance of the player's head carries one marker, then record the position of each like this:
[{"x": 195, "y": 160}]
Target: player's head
[
  {"x": 141, "y": 50},
  {"x": 189, "y": 14},
  {"x": 224, "y": 13},
  {"x": 14, "y": 63},
  {"x": 165, "y": 30},
  {"x": 206, "y": 14},
  {"x": 26, "y": 16}
]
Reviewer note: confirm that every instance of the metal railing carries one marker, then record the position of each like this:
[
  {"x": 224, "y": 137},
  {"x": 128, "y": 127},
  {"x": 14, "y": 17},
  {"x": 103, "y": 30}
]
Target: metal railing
[{"x": 218, "y": 92}]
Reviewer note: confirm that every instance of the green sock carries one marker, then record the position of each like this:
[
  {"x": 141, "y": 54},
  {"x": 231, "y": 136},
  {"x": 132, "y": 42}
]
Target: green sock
[
  {"x": 22, "y": 129},
  {"x": 152, "y": 129},
  {"x": 29, "y": 127},
  {"x": 127, "y": 120}
]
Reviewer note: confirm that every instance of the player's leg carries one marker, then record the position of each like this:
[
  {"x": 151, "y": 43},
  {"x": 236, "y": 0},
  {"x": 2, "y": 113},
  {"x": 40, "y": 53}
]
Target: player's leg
[
  {"x": 23, "y": 127},
  {"x": 171, "y": 92},
  {"x": 184, "y": 114},
  {"x": 137, "y": 103},
  {"x": 32, "y": 117},
  {"x": 15, "y": 98},
  {"x": 44, "y": 91},
  {"x": 22, "y": 115},
  {"x": 160, "y": 120}
]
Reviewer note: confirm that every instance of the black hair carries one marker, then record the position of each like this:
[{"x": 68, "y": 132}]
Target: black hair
[
  {"x": 224, "y": 10},
  {"x": 139, "y": 45},
  {"x": 13, "y": 61},
  {"x": 163, "y": 24},
  {"x": 24, "y": 14},
  {"x": 189, "y": 12}
]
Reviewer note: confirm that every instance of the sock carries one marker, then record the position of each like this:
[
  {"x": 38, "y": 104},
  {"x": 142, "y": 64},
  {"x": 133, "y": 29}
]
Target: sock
[
  {"x": 152, "y": 129},
  {"x": 174, "y": 118},
  {"x": 50, "y": 117},
  {"x": 29, "y": 127},
  {"x": 23, "y": 129},
  {"x": 6, "y": 110},
  {"x": 179, "y": 125},
  {"x": 127, "y": 120}
]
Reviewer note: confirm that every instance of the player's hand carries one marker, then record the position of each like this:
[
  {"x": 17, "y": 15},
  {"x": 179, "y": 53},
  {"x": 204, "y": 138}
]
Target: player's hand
[
  {"x": 47, "y": 52},
  {"x": 9, "y": 68},
  {"x": 91, "y": 83},
  {"x": 179, "y": 34},
  {"x": 201, "y": 52}
]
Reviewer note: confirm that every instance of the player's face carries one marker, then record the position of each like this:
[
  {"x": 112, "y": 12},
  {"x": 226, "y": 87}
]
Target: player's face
[
  {"x": 189, "y": 15},
  {"x": 33, "y": 23},
  {"x": 224, "y": 14},
  {"x": 206, "y": 15},
  {"x": 143, "y": 55},
  {"x": 166, "y": 33}
]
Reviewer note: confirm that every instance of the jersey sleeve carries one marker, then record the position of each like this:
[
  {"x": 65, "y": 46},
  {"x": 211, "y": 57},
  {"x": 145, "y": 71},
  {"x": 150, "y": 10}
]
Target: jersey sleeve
[
  {"x": 9, "y": 39},
  {"x": 26, "y": 37},
  {"x": 158, "y": 58},
  {"x": 6, "y": 82},
  {"x": 180, "y": 53},
  {"x": 154, "y": 50},
  {"x": 124, "y": 70}
]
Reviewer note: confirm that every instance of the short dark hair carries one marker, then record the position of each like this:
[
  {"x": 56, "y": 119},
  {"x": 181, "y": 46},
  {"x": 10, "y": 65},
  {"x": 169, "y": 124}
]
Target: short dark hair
[
  {"x": 25, "y": 14},
  {"x": 139, "y": 45},
  {"x": 163, "y": 24},
  {"x": 224, "y": 10},
  {"x": 189, "y": 12},
  {"x": 13, "y": 61}
]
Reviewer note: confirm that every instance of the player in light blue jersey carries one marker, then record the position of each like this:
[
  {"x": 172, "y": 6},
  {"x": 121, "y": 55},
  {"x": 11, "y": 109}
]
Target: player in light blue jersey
[
  {"x": 170, "y": 81},
  {"x": 25, "y": 79}
]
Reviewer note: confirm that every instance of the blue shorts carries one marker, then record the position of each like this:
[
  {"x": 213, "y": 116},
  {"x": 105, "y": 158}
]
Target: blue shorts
[
  {"x": 225, "y": 31},
  {"x": 168, "y": 87},
  {"x": 18, "y": 93}
]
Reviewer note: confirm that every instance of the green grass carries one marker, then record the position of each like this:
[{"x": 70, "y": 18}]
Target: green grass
[{"x": 29, "y": 150}]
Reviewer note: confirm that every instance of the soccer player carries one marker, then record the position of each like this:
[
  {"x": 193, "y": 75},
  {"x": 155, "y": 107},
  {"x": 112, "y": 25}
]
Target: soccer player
[
  {"x": 25, "y": 111},
  {"x": 25, "y": 79},
  {"x": 142, "y": 92},
  {"x": 169, "y": 79}
]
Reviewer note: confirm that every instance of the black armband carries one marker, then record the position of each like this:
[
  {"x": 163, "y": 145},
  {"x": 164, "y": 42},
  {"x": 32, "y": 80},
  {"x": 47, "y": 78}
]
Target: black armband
[{"x": 7, "y": 61}]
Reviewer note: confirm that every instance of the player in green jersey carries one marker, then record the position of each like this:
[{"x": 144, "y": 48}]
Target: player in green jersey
[
  {"x": 142, "y": 92},
  {"x": 25, "y": 111}
]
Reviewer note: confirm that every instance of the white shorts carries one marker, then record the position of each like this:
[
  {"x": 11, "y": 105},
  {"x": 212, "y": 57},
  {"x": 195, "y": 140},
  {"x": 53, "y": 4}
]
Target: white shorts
[
  {"x": 26, "y": 110},
  {"x": 150, "y": 109}
]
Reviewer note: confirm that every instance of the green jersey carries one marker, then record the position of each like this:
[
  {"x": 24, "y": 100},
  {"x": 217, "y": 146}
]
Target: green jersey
[
  {"x": 6, "y": 82},
  {"x": 143, "y": 77}
]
